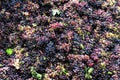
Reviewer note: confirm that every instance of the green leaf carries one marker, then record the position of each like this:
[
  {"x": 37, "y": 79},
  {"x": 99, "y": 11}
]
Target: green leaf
[
  {"x": 110, "y": 73},
  {"x": 81, "y": 46},
  {"x": 86, "y": 69},
  {"x": 35, "y": 74},
  {"x": 88, "y": 33},
  {"x": 88, "y": 76},
  {"x": 39, "y": 76},
  {"x": 90, "y": 70},
  {"x": 103, "y": 65},
  {"x": 64, "y": 71},
  {"x": 9, "y": 51},
  {"x": 1, "y": 65}
]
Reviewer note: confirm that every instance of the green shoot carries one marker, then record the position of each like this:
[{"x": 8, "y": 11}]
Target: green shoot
[
  {"x": 35, "y": 74},
  {"x": 90, "y": 70},
  {"x": 64, "y": 71},
  {"x": 81, "y": 46},
  {"x": 88, "y": 73},
  {"x": 9, "y": 51}
]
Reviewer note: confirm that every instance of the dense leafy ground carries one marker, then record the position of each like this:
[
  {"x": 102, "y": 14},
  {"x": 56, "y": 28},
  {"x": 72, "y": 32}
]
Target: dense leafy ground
[{"x": 60, "y": 40}]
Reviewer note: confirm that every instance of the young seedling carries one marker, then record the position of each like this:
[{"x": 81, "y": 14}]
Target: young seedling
[
  {"x": 35, "y": 74},
  {"x": 109, "y": 72},
  {"x": 88, "y": 33},
  {"x": 88, "y": 73},
  {"x": 103, "y": 65},
  {"x": 88, "y": 76},
  {"x": 81, "y": 46},
  {"x": 90, "y": 70},
  {"x": 9, "y": 51},
  {"x": 64, "y": 71}
]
